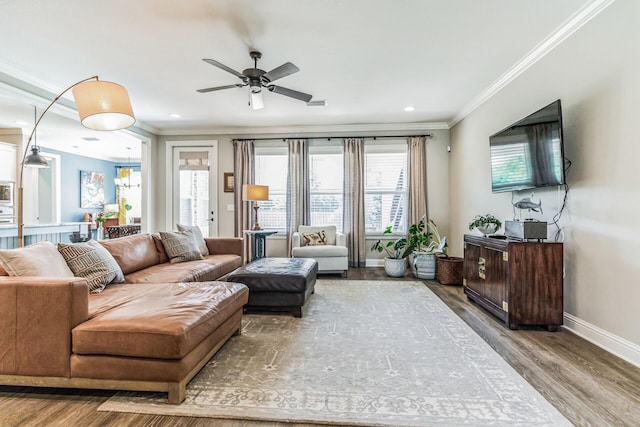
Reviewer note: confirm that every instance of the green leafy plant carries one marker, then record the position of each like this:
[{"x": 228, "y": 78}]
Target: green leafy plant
[
  {"x": 396, "y": 249},
  {"x": 422, "y": 237},
  {"x": 425, "y": 238},
  {"x": 101, "y": 217},
  {"x": 484, "y": 220}
]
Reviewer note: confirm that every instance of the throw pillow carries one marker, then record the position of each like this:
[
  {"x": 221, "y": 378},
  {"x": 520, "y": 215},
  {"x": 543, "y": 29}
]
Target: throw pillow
[
  {"x": 40, "y": 259},
  {"x": 315, "y": 239},
  {"x": 181, "y": 246},
  {"x": 202, "y": 245},
  {"x": 93, "y": 262}
]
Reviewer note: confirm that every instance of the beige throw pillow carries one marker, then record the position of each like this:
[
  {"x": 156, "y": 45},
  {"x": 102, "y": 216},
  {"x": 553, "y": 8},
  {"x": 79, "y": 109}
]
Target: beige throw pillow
[
  {"x": 315, "y": 239},
  {"x": 202, "y": 245},
  {"x": 93, "y": 262},
  {"x": 181, "y": 246},
  {"x": 40, "y": 259}
]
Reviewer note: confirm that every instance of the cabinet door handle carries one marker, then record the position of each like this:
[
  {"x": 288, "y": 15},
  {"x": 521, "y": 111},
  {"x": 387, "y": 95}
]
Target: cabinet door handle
[{"x": 481, "y": 267}]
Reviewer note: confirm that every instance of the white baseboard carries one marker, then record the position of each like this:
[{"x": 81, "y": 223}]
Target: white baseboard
[
  {"x": 612, "y": 343},
  {"x": 372, "y": 262}
]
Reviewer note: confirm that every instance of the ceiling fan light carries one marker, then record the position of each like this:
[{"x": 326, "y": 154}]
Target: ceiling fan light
[{"x": 256, "y": 100}]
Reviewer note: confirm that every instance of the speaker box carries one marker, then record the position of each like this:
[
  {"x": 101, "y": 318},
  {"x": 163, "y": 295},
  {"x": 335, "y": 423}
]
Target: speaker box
[{"x": 525, "y": 230}]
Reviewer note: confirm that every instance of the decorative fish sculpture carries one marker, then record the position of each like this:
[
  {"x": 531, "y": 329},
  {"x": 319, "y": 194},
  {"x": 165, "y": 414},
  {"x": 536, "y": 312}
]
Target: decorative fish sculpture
[{"x": 527, "y": 203}]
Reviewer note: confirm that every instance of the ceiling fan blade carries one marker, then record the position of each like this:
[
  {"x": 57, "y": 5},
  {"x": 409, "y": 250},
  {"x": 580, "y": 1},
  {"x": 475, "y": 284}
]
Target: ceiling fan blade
[
  {"x": 282, "y": 71},
  {"x": 290, "y": 92},
  {"x": 211, "y": 89},
  {"x": 223, "y": 67}
]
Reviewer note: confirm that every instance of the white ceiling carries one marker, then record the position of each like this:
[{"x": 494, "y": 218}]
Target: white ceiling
[{"x": 367, "y": 58}]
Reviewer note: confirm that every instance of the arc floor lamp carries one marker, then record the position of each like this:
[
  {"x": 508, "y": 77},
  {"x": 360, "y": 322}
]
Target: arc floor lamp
[{"x": 101, "y": 106}]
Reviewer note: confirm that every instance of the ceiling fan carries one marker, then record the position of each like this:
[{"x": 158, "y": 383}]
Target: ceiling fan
[{"x": 257, "y": 79}]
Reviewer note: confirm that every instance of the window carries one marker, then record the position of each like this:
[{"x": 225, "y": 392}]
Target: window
[
  {"x": 386, "y": 187},
  {"x": 271, "y": 169},
  {"x": 326, "y": 182}
]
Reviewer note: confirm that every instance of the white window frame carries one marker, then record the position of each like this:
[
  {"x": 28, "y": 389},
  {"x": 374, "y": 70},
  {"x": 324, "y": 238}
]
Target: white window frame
[
  {"x": 327, "y": 147},
  {"x": 388, "y": 146},
  {"x": 272, "y": 148}
]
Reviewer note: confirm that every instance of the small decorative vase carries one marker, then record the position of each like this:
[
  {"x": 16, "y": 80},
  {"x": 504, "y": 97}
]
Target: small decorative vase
[{"x": 100, "y": 232}]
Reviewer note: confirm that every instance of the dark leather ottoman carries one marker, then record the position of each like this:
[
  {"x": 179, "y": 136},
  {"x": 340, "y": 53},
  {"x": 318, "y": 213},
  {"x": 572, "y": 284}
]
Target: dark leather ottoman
[{"x": 277, "y": 284}]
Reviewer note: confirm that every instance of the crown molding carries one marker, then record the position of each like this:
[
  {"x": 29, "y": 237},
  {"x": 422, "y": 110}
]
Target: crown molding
[
  {"x": 560, "y": 34},
  {"x": 311, "y": 129}
]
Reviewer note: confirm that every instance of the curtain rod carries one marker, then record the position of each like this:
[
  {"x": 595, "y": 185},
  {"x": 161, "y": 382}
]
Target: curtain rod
[{"x": 329, "y": 138}]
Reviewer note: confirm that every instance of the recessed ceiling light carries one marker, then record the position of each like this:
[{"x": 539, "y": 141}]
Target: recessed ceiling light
[
  {"x": 409, "y": 108},
  {"x": 174, "y": 115},
  {"x": 318, "y": 103}
]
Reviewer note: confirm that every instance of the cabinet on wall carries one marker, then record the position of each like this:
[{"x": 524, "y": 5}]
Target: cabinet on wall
[{"x": 520, "y": 282}]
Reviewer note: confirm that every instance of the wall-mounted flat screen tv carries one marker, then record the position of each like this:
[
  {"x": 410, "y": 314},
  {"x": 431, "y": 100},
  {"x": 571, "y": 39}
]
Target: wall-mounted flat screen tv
[{"x": 529, "y": 153}]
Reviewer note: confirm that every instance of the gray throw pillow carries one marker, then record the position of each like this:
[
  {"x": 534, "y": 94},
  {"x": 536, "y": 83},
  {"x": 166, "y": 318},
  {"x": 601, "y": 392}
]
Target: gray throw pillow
[
  {"x": 202, "y": 245},
  {"x": 93, "y": 262},
  {"x": 180, "y": 246}
]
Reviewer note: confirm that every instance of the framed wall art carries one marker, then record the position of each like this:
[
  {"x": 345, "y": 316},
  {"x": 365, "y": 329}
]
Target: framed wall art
[
  {"x": 228, "y": 182},
  {"x": 91, "y": 189},
  {"x": 6, "y": 193}
]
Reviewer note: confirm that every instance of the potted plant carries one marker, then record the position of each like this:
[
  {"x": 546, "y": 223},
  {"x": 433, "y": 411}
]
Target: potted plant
[
  {"x": 395, "y": 263},
  {"x": 424, "y": 244},
  {"x": 486, "y": 224}
]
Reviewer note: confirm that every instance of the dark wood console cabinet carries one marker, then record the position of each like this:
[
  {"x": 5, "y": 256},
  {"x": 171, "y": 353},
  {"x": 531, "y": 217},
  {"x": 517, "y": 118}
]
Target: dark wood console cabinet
[{"x": 520, "y": 282}]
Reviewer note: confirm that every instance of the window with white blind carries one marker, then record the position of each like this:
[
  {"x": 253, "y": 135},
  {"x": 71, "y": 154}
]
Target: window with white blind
[
  {"x": 386, "y": 187},
  {"x": 271, "y": 165},
  {"x": 326, "y": 182}
]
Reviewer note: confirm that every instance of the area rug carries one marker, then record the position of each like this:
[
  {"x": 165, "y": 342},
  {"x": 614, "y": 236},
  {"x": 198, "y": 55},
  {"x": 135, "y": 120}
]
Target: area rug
[{"x": 369, "y": 353}]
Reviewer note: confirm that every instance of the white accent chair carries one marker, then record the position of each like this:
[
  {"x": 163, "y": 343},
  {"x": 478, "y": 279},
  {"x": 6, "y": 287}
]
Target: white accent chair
[{"x": 332, "y": 254}]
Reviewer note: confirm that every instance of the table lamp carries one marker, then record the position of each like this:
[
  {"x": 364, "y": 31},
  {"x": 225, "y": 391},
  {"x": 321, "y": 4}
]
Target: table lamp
[{"x": 255, "y": 193}]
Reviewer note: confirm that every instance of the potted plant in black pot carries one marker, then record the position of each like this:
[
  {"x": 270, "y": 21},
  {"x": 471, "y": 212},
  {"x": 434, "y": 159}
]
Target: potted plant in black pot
[{"x": 395, "y": 263}]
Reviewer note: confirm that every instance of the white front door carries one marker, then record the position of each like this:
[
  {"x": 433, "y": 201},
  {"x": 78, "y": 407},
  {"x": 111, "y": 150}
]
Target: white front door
[{"x": 194, "y": 187}]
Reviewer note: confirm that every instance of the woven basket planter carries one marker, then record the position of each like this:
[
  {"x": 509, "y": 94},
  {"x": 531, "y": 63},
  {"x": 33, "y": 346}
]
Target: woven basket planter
[{"x": 449, "y": 270}]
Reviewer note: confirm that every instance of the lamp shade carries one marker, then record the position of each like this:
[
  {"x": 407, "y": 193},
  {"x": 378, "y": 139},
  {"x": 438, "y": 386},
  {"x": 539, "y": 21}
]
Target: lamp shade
[
  {"x": 111, "y": 208},
  {"x": 256, "y": 100},
  {"x": 252, "y": 192},
  {"x": 103, "y": 105},
  {"x": 35, "y": 159}
]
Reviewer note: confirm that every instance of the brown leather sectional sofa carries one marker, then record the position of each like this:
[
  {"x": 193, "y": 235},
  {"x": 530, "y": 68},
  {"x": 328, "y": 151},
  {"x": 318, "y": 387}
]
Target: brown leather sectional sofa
[{"x": 154, "y": 332}]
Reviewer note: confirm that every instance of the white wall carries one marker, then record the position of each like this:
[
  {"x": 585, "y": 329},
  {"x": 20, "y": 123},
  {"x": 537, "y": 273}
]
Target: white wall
[{"x": 596, "y": 74}]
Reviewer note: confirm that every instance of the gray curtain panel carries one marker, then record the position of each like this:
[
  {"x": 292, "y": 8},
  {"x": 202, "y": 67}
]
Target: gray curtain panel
[
  {"x": 298, "y": 186},
  {"x": 417, "y": 178},
  {"x": 353, "y": 201},
  {"x": 243, "y": 173}
]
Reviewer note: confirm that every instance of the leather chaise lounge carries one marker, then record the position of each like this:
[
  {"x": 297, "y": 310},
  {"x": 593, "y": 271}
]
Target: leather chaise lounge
[{"x": 132, "y": 336}]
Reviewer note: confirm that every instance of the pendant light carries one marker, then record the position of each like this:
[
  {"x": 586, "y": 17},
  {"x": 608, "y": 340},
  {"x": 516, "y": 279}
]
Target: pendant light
[{"x": 35, "y": 159}]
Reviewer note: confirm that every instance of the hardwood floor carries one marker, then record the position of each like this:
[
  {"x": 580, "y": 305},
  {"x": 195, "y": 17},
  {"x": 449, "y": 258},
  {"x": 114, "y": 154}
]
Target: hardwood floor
[{"x": 588, "y": 385}]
